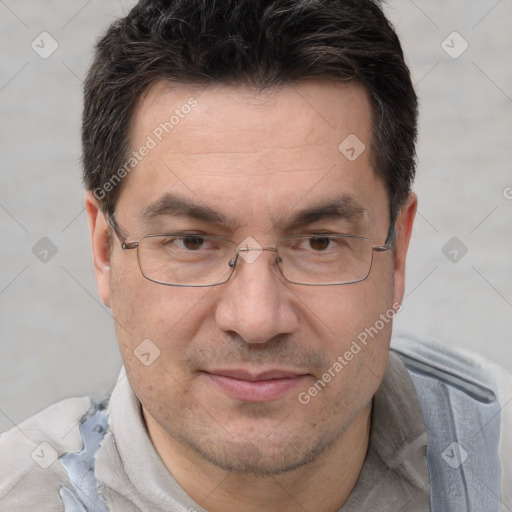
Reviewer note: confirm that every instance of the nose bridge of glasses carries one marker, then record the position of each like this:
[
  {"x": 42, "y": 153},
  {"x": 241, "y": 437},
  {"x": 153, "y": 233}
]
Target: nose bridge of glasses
[
  {"x": 246, "y": 249},
  {"x": 259, "y": 249}
]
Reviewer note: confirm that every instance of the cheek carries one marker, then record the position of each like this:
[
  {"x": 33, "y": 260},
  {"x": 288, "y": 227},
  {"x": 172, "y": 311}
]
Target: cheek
[
  {"x": 154, "y": 326},
  {"x": 342, "y": 312},
  {"x": 354, "y": 323},
  {"x": 155, "y": 319},
  {"x": 356, "y": 347}
]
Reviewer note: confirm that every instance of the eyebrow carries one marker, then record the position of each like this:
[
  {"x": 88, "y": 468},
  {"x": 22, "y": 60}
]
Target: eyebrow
[
  {"x": 342, "y": 206},
  {"x": 172, "y": 205}
]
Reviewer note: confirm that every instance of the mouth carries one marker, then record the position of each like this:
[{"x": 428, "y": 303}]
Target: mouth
[{"x": 256, "y": 387}]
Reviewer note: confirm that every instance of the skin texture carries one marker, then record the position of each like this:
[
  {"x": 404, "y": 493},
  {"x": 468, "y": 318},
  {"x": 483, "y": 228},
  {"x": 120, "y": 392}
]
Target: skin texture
[{"x": 257, "y": 158}]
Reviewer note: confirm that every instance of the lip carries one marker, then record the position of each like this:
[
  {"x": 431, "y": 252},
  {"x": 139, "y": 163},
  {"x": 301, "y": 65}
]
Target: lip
[{"x": 255, "y": 387}]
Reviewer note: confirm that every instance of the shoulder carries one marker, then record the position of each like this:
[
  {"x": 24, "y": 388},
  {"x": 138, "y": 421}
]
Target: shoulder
[
  {"x": 467, "y": 398},
  {"x": 30, "y": 472},
  {"x": 466, "y": 371}
]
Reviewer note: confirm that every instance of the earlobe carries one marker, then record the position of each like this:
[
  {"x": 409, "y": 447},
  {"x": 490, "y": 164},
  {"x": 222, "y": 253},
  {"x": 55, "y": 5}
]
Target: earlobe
[
  {"x": 404, "y": 226},
  {"x": 99, "y": 232}
]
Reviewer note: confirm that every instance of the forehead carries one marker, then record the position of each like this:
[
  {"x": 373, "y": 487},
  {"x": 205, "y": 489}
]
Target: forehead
[
  {"x": 318, "y": 111},
  {"x": 248, "y": 152}
]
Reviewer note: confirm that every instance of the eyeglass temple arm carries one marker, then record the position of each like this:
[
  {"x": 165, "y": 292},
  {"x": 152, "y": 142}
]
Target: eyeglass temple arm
[
  {"x": 390, "y": 239},
  {"x": 118, "y": 231}
]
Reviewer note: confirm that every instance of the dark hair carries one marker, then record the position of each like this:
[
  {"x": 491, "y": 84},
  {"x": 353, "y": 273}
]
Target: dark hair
[{"x": 260, "y": 43}]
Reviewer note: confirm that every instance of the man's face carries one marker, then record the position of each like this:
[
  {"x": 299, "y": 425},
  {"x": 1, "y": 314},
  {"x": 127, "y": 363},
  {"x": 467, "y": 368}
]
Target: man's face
[{"x": 234, "y": 359}]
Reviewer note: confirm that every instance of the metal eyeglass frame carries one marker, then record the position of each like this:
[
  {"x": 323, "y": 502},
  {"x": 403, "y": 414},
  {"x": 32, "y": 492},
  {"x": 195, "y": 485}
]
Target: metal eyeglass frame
[{"x": 122, "y": 237}]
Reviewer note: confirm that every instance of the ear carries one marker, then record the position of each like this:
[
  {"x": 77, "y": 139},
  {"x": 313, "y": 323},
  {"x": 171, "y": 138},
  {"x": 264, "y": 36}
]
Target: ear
[
  {"x": 99, "y": 230},
  {"x": 404, "y": 225}
]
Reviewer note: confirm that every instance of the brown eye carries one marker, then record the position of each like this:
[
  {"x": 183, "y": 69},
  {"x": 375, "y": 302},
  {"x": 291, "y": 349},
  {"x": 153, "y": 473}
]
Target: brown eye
[
  {"x": 192, "y": 243},
  {"x": 319, "y": 243}
]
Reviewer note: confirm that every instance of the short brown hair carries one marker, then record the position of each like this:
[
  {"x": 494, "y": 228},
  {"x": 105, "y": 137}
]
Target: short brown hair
[{"x": 261, "y": 43}]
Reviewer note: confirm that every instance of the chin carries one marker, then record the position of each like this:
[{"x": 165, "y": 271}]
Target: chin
[{"x": 262, "y": 455}]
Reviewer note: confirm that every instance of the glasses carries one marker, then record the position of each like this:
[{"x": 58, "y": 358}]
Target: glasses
[{"x": 194, "y": 260}]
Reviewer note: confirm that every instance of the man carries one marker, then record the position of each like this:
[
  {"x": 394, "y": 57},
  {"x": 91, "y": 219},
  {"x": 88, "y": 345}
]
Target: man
[{"x": 249, "y": 167}]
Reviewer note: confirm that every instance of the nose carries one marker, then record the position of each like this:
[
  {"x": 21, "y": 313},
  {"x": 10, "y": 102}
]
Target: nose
[{"x": 257, "y": 303}]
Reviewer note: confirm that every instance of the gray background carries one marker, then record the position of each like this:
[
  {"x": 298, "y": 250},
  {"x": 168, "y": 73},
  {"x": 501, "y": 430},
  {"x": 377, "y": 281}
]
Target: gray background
[{"x": 58, "y": 338}]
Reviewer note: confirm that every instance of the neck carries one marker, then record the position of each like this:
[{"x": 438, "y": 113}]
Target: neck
[{"x": 323, "y": 485}]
